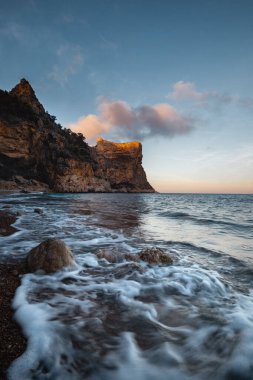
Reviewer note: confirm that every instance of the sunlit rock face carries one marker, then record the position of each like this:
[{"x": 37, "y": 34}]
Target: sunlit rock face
[
  {"x": 37, "y": 153},
  {"x": 26, "y": 94},
  {"x": 121, "y": 165}
]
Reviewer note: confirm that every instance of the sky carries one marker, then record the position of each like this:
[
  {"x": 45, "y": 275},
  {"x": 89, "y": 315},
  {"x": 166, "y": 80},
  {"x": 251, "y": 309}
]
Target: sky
[{"x": 176, "y": 75}]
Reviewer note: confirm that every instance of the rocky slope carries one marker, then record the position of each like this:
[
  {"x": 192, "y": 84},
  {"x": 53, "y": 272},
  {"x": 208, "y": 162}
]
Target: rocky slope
[{"x": 36, "y": 153}]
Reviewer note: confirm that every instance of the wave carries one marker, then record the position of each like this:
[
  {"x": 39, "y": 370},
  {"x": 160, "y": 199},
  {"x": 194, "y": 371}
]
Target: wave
[{"x": 199, "y": 220}]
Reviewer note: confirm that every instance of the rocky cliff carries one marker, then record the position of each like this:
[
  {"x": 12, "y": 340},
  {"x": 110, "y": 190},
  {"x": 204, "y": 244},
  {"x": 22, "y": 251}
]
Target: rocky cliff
[{"x": 37, "y": 153}]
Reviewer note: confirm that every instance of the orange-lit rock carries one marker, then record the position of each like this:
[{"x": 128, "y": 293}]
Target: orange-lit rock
[
  {"x": 36, "y": 153},
  {"x": 121, "y": 165}
]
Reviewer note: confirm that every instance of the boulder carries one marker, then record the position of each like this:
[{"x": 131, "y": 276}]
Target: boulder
[
  {"x": 110, "y": 256},
  {"x": 39, "y": 210},
  {"x": 155, "y": 256},
  {"x": 6, "y": 221},
  {"x": 50, "y": 256}
]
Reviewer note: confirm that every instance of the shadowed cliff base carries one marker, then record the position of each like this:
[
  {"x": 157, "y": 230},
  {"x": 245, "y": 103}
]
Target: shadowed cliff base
[{"x": 37, "y": 154}]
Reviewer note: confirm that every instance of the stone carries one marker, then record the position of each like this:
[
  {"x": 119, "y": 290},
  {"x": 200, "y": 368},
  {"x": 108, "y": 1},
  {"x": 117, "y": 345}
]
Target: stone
[
  {"x": 130, "y": 257},
  {"x": 39, "y": 210},
  {"x": 50, "y": 256},
  {"x": 110, "y": 256},
  {"x": 155, "y": 256},
  {"x": 15, "y": 272},
  {"x": 6, "y": 221}
]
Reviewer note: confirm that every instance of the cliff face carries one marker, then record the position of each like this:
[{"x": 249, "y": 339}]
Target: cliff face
[{"x": 36, "y": 152}]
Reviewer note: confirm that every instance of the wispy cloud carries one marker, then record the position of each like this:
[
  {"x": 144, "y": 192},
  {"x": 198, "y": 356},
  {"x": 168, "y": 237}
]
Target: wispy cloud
[
  {"x": 107, "y": 43},
  {"x": 125, "y": 122},
  {"x": 15, "y": 31},
  {"x": 186, "y": 91},
  {"x": 69, "y": 61}
]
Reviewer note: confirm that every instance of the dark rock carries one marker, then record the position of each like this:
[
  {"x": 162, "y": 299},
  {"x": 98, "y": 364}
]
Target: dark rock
[
  {"x": 110, "y": 256},
  {"x": 6, "y": 221},
  {"x": 20, "y": 180},
  {"x": 155, "y": 256},
  {"x": 39, "y": 210},
  {"x": 130, "y": 257},
  {"x": 15, "y": 272},
  {"x": 128, "y": 269},
  {"x": 50, "y": 256}
]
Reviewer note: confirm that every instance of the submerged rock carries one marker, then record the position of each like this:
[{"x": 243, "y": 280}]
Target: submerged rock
[
  {"x": 39, "y": 210},
  {"x": 155, "y": 256},
  {"x": 115, "y": 256},
  {"x": 50, "y": 256},
  {"x": 110, "y": 256},
  {"x": 6, "y": 221}
]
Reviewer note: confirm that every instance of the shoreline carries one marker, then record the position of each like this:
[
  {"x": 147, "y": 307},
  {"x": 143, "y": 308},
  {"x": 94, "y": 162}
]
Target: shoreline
[{"x": 13, "y": 343}]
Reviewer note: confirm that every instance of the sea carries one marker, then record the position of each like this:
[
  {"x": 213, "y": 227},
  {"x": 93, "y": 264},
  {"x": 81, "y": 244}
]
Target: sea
[{"x": 131, "y": 320}]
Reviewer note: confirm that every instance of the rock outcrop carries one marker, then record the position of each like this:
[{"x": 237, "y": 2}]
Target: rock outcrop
[
  {"x": 50, "y": 256},
  {"x": 155, "y": 256},
  {"x": 36, "y": 153},
  {"x": 120, "y": 164},
  {"x": 6, "y": 221}
]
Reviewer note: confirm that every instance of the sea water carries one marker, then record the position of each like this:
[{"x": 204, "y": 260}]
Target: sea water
[{"x": 130, "y": 320}]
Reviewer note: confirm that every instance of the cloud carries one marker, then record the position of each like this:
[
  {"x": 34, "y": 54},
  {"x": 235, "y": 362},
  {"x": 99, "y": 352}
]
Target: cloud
[
  {"x": 69, "y": 61},
  {"x": 183, "y": 91},
  {"x": 90, "y": 126},
  {"x": 18, "y": 33},
  {"x": 107, "y": 43},
  {"x": 120, "y": 120}
]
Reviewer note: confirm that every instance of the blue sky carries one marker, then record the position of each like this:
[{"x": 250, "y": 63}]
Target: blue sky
[{"x": 176, "y": 75}]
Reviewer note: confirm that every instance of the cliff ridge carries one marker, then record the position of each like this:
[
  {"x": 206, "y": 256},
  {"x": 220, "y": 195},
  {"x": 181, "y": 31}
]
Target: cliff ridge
[{"x": 36, "y": 152}]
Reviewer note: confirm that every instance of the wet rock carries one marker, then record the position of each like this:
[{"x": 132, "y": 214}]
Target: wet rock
[
  {"x": 20, "y": 180},
  {"x": 128, "y": 270},
  {"x": 39, "y": 210},
  {"x": 6, "y": 221},
  {"x": 155, "y": 256},
  {"x": 110, "y": 256},
  {"x": 130, "y": 257},
  {"x": 24, "y": 191},
  {"x": 50, "y": 256},
  {"x": 7, "y": 206},
  {"x": 15, "y": 272}
]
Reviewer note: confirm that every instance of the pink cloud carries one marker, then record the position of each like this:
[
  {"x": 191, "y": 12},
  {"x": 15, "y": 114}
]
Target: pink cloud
[
  {"x": 90, "y": 126},
  {"x": 116, "y": 112},
  {"x": 186, "y": 90},
  {"x": 117, "y": 118}
]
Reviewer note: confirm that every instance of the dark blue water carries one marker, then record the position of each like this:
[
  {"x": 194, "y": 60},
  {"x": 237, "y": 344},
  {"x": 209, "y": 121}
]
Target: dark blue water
[{"x": 102, "y": 320}]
